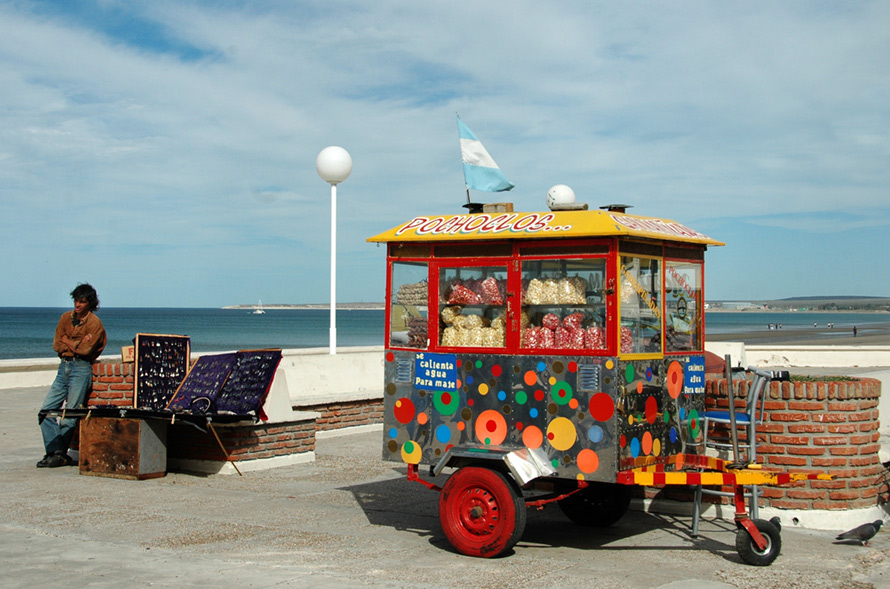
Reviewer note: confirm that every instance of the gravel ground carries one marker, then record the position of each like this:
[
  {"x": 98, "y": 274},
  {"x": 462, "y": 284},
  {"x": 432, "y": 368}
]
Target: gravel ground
[{"x": 349, "y": 520}]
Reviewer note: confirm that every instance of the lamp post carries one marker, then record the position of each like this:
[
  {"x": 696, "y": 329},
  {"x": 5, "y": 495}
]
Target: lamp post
[{"x": 334, "y": 166}]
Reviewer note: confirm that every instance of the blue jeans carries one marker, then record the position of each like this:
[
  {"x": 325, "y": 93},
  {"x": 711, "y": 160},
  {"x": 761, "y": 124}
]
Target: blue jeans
[{"x": 73, "y": 381}]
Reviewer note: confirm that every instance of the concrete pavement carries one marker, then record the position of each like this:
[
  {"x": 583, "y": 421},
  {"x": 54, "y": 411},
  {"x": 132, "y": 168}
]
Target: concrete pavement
[{"x": 348, "y": 520}]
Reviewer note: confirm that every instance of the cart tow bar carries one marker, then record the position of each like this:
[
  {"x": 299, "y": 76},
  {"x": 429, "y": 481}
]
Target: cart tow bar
[
  {"x": 540, "y": 503},
  {"x": 415, "y": 478}
]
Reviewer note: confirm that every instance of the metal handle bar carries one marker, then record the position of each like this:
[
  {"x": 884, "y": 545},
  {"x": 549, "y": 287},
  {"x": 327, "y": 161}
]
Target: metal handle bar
[
  {"x": 761, "y": 378},
  {"x": 782, "y": 375}
]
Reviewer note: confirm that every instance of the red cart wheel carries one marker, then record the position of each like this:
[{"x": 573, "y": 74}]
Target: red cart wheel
[
  {"x": 749, "y": 551},
  {"x": 481, "y": 512}
]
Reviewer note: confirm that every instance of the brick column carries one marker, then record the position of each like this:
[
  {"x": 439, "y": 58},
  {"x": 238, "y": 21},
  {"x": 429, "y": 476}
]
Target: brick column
[{"x": 113, "y": 384}]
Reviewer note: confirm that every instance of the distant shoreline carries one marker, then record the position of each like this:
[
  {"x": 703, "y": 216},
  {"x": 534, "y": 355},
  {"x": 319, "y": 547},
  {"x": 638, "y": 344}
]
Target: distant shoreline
[
  {"x": 382, "y": 306},
  {"x": 802, "y": 311},
  {"x": 872, "y": 334},
  {"x": 309, "y": 307}
]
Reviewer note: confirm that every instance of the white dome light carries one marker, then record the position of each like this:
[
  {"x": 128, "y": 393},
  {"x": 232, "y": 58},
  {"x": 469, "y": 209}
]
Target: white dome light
[
  {"x": 333, "y": 164},
  {"x": 560, "y": 195}
]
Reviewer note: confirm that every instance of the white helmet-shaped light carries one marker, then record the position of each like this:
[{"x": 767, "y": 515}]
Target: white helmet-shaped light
[{"x": 560, "y": 195}]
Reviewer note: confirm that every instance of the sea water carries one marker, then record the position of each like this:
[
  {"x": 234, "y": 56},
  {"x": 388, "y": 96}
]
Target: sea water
[{"x": 27, "y": 332}]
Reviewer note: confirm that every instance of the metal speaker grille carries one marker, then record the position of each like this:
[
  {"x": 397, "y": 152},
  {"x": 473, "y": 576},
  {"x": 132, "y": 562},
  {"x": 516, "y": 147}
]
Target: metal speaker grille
[
  {"x": 589, "y": 377},
  {"x": 403, "y": 370}
]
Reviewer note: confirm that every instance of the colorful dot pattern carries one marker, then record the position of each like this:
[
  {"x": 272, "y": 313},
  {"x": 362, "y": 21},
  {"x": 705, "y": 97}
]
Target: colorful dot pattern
[{"x": 640, "y": 409}]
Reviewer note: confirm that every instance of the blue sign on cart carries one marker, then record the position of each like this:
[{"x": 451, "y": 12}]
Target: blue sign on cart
[
  {"x": 435, "y": 371},
  {"x": 694, "y": 376}
]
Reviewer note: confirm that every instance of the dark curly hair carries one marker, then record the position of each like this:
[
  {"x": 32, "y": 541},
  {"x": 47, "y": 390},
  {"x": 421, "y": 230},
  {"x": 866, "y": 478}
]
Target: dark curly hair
[{"x": 85, "y": 292}]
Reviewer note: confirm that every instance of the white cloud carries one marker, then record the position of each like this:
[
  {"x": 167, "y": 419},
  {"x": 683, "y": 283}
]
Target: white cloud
[{"x": 185, "y": 133}]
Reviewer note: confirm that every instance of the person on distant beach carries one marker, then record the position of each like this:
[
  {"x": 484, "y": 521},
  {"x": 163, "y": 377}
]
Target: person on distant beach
[
  {"x": 855, "y": 331},
  {"x": 79, "y": 339}
]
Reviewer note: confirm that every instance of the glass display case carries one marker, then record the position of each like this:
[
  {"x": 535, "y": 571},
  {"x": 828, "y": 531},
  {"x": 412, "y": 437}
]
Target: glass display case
[
  {"x": 408, "y": 309},
  {"x": 591, "y": 284},
  {"x": 593, "y": 300}
]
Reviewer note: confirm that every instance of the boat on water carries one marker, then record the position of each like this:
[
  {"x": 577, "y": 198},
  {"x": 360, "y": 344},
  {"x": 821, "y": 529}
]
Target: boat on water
[{"x": 259, "y": 309}]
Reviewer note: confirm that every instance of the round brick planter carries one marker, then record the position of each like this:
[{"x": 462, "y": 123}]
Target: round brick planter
[{"x": 825, "y": 426}]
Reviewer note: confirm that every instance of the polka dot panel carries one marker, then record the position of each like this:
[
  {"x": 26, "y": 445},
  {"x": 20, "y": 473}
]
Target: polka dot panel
[
  {"x": 662, "y": 411},
  {"x": 532, "y": 403}
]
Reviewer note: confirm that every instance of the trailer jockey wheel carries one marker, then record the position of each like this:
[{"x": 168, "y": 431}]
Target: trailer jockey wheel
[
  {"x": 481, "y": 512},
  {"x": 600, "y": 504},
  {"x": 749, "y": 551}
]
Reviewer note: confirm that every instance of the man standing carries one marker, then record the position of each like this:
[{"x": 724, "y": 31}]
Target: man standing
[{"x": 80, "y": 338}]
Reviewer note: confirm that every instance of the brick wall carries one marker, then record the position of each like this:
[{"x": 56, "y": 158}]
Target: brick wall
[
  {"x": 347, "y": 414},
  {"x": 113, "y": 384},
  {"x": 829, "y": 427},
  {"x": 241, "y": 442}
]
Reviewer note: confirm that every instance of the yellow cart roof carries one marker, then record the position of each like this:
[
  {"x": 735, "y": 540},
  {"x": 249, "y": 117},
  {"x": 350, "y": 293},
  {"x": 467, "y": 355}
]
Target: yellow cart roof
[{"x": 554, "y": 225}]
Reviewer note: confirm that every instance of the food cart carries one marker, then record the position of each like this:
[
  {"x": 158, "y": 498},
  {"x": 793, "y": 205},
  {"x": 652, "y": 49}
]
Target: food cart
[{"x": 550, "y": 357}]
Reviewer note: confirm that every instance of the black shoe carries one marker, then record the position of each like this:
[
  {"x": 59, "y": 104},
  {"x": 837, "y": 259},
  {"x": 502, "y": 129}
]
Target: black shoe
[
  {"x": 69, "y": 461},
  {"x": 53, "y": 461}
]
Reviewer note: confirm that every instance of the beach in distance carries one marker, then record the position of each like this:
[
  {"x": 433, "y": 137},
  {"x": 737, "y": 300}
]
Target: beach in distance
[
  {"x": 867, "y": 334},
  {"x": 776, "y": 327},
  {"x": 27, "y": 332}
]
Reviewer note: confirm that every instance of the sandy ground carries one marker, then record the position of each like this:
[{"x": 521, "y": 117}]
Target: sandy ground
[
  {"x": 350, "y": 520},
  {"x": 875, "y": 334}
]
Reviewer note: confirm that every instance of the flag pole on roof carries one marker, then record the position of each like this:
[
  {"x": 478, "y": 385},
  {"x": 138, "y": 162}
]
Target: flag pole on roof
[{"x": 480, "y": 170}]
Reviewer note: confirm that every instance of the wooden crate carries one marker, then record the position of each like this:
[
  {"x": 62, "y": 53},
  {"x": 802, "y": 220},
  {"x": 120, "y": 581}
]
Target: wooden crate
[{"x": 123, "y": 448}]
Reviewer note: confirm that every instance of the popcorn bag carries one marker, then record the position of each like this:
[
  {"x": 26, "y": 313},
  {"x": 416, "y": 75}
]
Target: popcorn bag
[
  {"x": 550, "y": 321},
  {"x": 562, "y": 338},
  {"x": 595, "y": 338},
  {"x": 491, "y": 292},
  {"x": 471, "y": 330},
  {"x": 550, "y": 292},
  {"x": 534, "y": 294},
  {"x": 576, "y": 338},
  {"x": 573, "y": 321},
  {"x": 461, "y": 295},
  {"x": 627, "y": 340},
  {"x": 571, "y": 291},
  {"x": 449, "y": 313}
]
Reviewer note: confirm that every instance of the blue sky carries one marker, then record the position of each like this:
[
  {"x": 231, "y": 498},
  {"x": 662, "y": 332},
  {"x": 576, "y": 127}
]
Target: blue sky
[{"x": 165, "y": 151}]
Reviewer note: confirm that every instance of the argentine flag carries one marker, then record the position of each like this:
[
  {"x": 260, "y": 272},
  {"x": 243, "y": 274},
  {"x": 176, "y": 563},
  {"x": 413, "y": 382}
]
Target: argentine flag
[{"x": 480, "y": 171}]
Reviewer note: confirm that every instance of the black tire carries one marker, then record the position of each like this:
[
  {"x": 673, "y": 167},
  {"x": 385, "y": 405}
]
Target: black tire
[
  {"x": 481, "y": 512},
  {"x": 748, "y": 550},
  {"x": 598, "y": 505}
]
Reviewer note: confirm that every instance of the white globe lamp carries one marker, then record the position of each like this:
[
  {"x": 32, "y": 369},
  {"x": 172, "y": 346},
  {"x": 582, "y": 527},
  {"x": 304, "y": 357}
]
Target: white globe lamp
[
  {"x": 560, "y": 195},
  {"x": 334, "y": 165}
]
